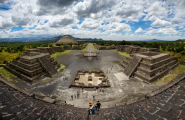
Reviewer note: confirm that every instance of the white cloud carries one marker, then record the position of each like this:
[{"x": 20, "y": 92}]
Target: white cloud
[
  {"x": 165, "y": 31},
  {"x": 161, "y": 23},
  {"x": 89, "y": 23},
  {"x": 139, "y": 30},
  {"x": 61, "y": 15}
]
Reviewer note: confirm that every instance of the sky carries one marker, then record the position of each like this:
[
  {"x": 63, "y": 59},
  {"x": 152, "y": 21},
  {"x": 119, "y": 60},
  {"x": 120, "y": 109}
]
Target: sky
[{"x": 106, "y": 19}]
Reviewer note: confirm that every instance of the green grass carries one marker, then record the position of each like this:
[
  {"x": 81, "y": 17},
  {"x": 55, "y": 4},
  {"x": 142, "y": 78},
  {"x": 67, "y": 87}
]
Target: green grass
[
  {"x": 178, "y": 70},
  {"x": 5, "y": 56},
  {"x": 123, "y": 53},
  {"x": 85, "y": 47},
  {"x": 60, "y": 53},
  {"x": 61, "y": 67},
  {"x": 94, "y": 47},
  {"x": 7, "y": 74}
]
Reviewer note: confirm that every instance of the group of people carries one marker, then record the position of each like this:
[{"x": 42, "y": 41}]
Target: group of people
[
  {"x": 76, "y": 95},
  {"x": 101, "y": 89},
  {"x": 93, "y": 107}
]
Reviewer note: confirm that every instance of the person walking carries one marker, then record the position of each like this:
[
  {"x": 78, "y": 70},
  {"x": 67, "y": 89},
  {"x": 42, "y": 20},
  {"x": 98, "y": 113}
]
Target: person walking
[
  {"x": 93, "y": 97},
  {"x": 82, "y": 88},
  {"x": 94, "y": 88},
  {"x": 98, "y": 105},
  {"x": 71, "y": 97},
  {"x": 100, "y": 89},
  {"x": 89, "y": 109},
  {"x": 93, "y": 108},
  {"x": 75, "y": 96}
]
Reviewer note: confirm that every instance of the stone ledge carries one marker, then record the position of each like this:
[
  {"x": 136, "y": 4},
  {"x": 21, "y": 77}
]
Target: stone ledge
[{"x": 177, "y": 79}]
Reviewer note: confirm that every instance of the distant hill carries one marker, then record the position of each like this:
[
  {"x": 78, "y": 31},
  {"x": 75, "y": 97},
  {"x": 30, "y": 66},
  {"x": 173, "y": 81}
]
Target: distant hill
[
  {"x": 180, "y": 40},
  {"x": 151, "y": 40},
  {"x": 89, "y": 39},
  {"x": 67, "y": 39}
]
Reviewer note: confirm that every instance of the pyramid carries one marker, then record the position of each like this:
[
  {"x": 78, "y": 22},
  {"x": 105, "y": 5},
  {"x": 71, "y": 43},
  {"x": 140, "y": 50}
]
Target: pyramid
[{"x": 66, "y": 39}]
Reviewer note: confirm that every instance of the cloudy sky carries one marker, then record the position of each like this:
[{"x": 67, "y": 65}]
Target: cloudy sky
[{"x": 106, "y": 19}]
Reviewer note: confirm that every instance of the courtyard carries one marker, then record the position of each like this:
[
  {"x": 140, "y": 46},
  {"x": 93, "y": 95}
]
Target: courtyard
[{"x": 122, "y": 90}]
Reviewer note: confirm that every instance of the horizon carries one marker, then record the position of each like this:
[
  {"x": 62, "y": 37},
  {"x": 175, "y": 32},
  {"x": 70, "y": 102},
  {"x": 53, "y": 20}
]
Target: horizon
[{"x": 109, "y": 20}]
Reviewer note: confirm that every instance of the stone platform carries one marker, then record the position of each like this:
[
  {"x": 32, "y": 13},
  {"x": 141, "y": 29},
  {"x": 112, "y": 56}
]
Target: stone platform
[
  {"x": 90, "y": 79},
  {"x": 90, "y": 55}
]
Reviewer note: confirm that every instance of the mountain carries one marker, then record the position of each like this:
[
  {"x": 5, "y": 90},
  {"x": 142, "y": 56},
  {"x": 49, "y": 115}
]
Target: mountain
[
  {"x": 180, "y": 40},
  {"x": 89, "y": 39},
  {"x": 151, "y": 40}
]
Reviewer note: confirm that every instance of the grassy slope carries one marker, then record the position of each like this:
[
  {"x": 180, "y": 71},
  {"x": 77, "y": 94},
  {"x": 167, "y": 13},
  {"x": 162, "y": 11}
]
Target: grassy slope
[
  {"x": 94, "y": 47},
  {"x": 5, "y": 56},
  {"x": 60, "y": 53},
  {"x": 179, "y": 69},
  {"x": 123, "y": 53},
  {"x": 6, "y": 74},
  {"x": 85, "y": 47}
]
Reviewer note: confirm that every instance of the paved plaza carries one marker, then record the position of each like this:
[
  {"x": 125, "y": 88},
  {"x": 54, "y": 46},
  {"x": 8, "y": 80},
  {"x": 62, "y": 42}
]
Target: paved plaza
[{"x": 122, "y": 90}]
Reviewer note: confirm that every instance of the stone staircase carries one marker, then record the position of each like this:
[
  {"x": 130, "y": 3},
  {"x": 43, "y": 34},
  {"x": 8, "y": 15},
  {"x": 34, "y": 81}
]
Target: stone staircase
[
  {"x": 47, "y": 66},
  {"x": 169, "y": 104},
  {"x": 132, "y": 66},
  {"x": 51, "y": 50}
]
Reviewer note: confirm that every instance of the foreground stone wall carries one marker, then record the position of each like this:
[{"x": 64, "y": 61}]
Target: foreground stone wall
[{"x": 168, "y": 104}]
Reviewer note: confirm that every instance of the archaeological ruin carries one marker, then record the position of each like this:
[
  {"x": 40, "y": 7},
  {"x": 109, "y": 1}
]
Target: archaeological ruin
[
  {"x": 33, "y": 65},
  {"x": 90, "y": 75},
  {"x": 147, "y": 64},
  {"x": 90, "y": 79}
]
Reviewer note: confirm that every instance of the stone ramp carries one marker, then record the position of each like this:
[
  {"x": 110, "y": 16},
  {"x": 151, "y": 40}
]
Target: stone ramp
[
  {"x": 131, "y": 67},
  {"x": 47, "y": 65}
]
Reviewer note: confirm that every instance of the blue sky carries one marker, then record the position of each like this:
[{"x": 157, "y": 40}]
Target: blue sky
[{"x": 106, "y": 19}]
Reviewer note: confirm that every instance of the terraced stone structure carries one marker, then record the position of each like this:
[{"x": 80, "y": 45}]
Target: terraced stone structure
[
  {"x": 135, "y": 49},
  {"x": 148, "y": 66},
  {"x": 67, "y": 47},
  {"x": 49, "y": 50},
  {"x": 99, "y": 47},
  {"x": 58, "y": 49},
  {"x": 90, "y": 79},
  {"x": 33, "y": 65}
]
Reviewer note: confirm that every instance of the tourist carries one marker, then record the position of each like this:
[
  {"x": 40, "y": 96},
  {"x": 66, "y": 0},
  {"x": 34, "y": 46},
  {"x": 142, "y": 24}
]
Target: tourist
[
  {"x": 75, "y": 96},
  {"x": 93, "y": 97},
  {"x": 78, "y": 94},
  {"x": 94, "y": 88},
  {"x": 93, "y": 108},
  {"x": 72, "y": 97},
  {"x": 89, "y": 109},
  {"x": 82, "y": 88},
  {"x": 100, "y": 89},
  {"x": 98, "y": 105}
]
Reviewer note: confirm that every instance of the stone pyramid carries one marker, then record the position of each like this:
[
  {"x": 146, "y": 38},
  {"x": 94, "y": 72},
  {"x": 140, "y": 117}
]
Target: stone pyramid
[{"x": 67, "y": 39}]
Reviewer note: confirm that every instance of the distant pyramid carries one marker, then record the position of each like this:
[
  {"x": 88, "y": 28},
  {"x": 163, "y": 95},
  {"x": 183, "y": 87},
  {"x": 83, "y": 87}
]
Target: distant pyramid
[{"x": 67, "y": 39}]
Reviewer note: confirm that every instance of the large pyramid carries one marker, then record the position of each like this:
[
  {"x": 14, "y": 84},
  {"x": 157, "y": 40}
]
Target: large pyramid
[{"x": 67, "y": 39}]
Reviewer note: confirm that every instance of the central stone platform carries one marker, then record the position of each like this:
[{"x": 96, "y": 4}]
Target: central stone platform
[
  {"x": 90, "y": 55},
  {"x": 90, "y": 79}
]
